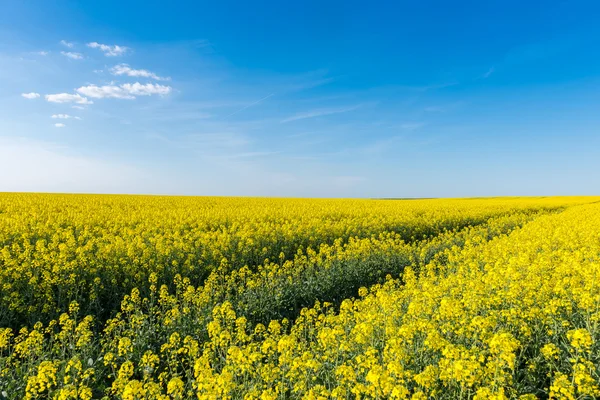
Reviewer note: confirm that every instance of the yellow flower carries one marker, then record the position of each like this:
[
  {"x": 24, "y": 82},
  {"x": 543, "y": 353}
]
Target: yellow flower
[
  {"x": 43, "y": 381},
  {"x": 580, "y": 339},
  {"x": 125, "y": 346},
  {"x": 562, "y": 388},
  {"x": 175, "y": 387},
  {"x": 134, "y": 390},
  {"x": 550, "y": 351}
]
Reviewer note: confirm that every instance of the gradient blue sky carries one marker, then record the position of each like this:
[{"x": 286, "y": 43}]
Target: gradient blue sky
[{"x": 315, "y": 99}]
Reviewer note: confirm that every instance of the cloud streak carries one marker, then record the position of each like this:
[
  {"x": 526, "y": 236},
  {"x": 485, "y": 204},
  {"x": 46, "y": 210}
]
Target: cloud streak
[
  {"x": 72, "y": 55},
  {"x": 319, "y": 113},
  {"x": 64, "y": 116},
  {"x": 251, "y": 105},
  {"x": 124, "y": 69},
  {"x": 127, "y": 91},
  {"x": 108, "y": 50},
  {"x": 221, "y": 146},
  {"x": 488, "y": 73},
  {"x": 30, "y": 96},
  {"x": 212, "y": 141},
  {"x": 67, "y": 98}
]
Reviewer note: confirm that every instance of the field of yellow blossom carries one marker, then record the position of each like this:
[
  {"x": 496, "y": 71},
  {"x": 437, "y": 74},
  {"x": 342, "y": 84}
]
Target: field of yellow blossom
[{"x": 147, "y": 297}]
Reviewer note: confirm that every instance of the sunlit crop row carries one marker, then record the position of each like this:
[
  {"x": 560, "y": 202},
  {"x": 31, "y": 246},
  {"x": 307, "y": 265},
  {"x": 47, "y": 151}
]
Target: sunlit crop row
[
  {"x": 55, "y": 249},
  {"x": 516, "y": 316},
  {"x": 214, "y": 298}
]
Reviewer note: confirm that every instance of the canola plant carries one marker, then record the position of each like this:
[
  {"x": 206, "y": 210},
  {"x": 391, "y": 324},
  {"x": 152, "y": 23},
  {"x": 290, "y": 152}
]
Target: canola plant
[{"x": 139, "y": 297}]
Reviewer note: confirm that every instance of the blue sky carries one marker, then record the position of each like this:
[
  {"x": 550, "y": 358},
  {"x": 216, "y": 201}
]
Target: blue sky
[{"x": 310, "y": 99}]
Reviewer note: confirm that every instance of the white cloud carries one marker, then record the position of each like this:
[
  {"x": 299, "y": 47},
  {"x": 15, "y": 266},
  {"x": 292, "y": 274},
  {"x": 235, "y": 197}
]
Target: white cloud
[
  {"x": 125, "y": 91},
  {"x": 109, "y": 51},
  {"x": 67, "y": 44},
  {"x": 319, "y": 113},
  {"x": 78, "y": 107},
  {"x": 32, "y": 95},
  {"x": 42, "y": 53},
  {"x": 74, "y": 56},
  {"x": 124, "y": 69},
  {"x": 59, "y": 125},
  {"x": 67, "y": 98},
  {"x": 102, "y": 92},
  {"x": 64, "y": 116},
  {"x": 148, "y": 89},
  {"x": 488, "y": 73}
]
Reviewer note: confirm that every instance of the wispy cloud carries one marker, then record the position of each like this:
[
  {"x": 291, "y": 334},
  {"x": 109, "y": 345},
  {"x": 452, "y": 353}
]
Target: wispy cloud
[
  {"x": 309, "y": 84},
  {"x": 488, "y": 73},
  {"x": 217, "y": 146},
  {"x": 72, "y": 55},
  {"x": 64, "y": 116},
  {"x": 225, "y": 146},
  {"x": 250, "y": 105},
  {"x": 173, "y": 112},
  {"x": 436, "y": 86},
  {"x": 208, "y": 141},
  {"x": 443, "y": 108},
  {"x": 394, "y": 143},
  {"x": 41, "y": 53},
  {"x": 67, "y": 98},
  {"x": 59, "y": 125},
  {"x": 67, "y": 44},
  {"x": 103, "y": 92},
  {"x": 320, "y": 113},
  {"x": 31, "y": 96},
  {"x": 108, "y": 50},
  {"x": 124, "y": 69},
  {"x": 125, "y": 91},
  {"x": 380, "y": 145},
  {"x": 138, "y": 89}
]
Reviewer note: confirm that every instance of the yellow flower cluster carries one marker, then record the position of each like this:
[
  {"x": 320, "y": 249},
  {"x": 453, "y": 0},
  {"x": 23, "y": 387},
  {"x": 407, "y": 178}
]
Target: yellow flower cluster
[
  {"x": 55, "y": 249},
  {"x": 514, "y": 316},
  {"x": 222, "y": 298}
]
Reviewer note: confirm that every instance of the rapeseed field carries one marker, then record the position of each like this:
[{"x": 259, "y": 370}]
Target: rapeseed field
[{"x": 142, "y": 297}]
